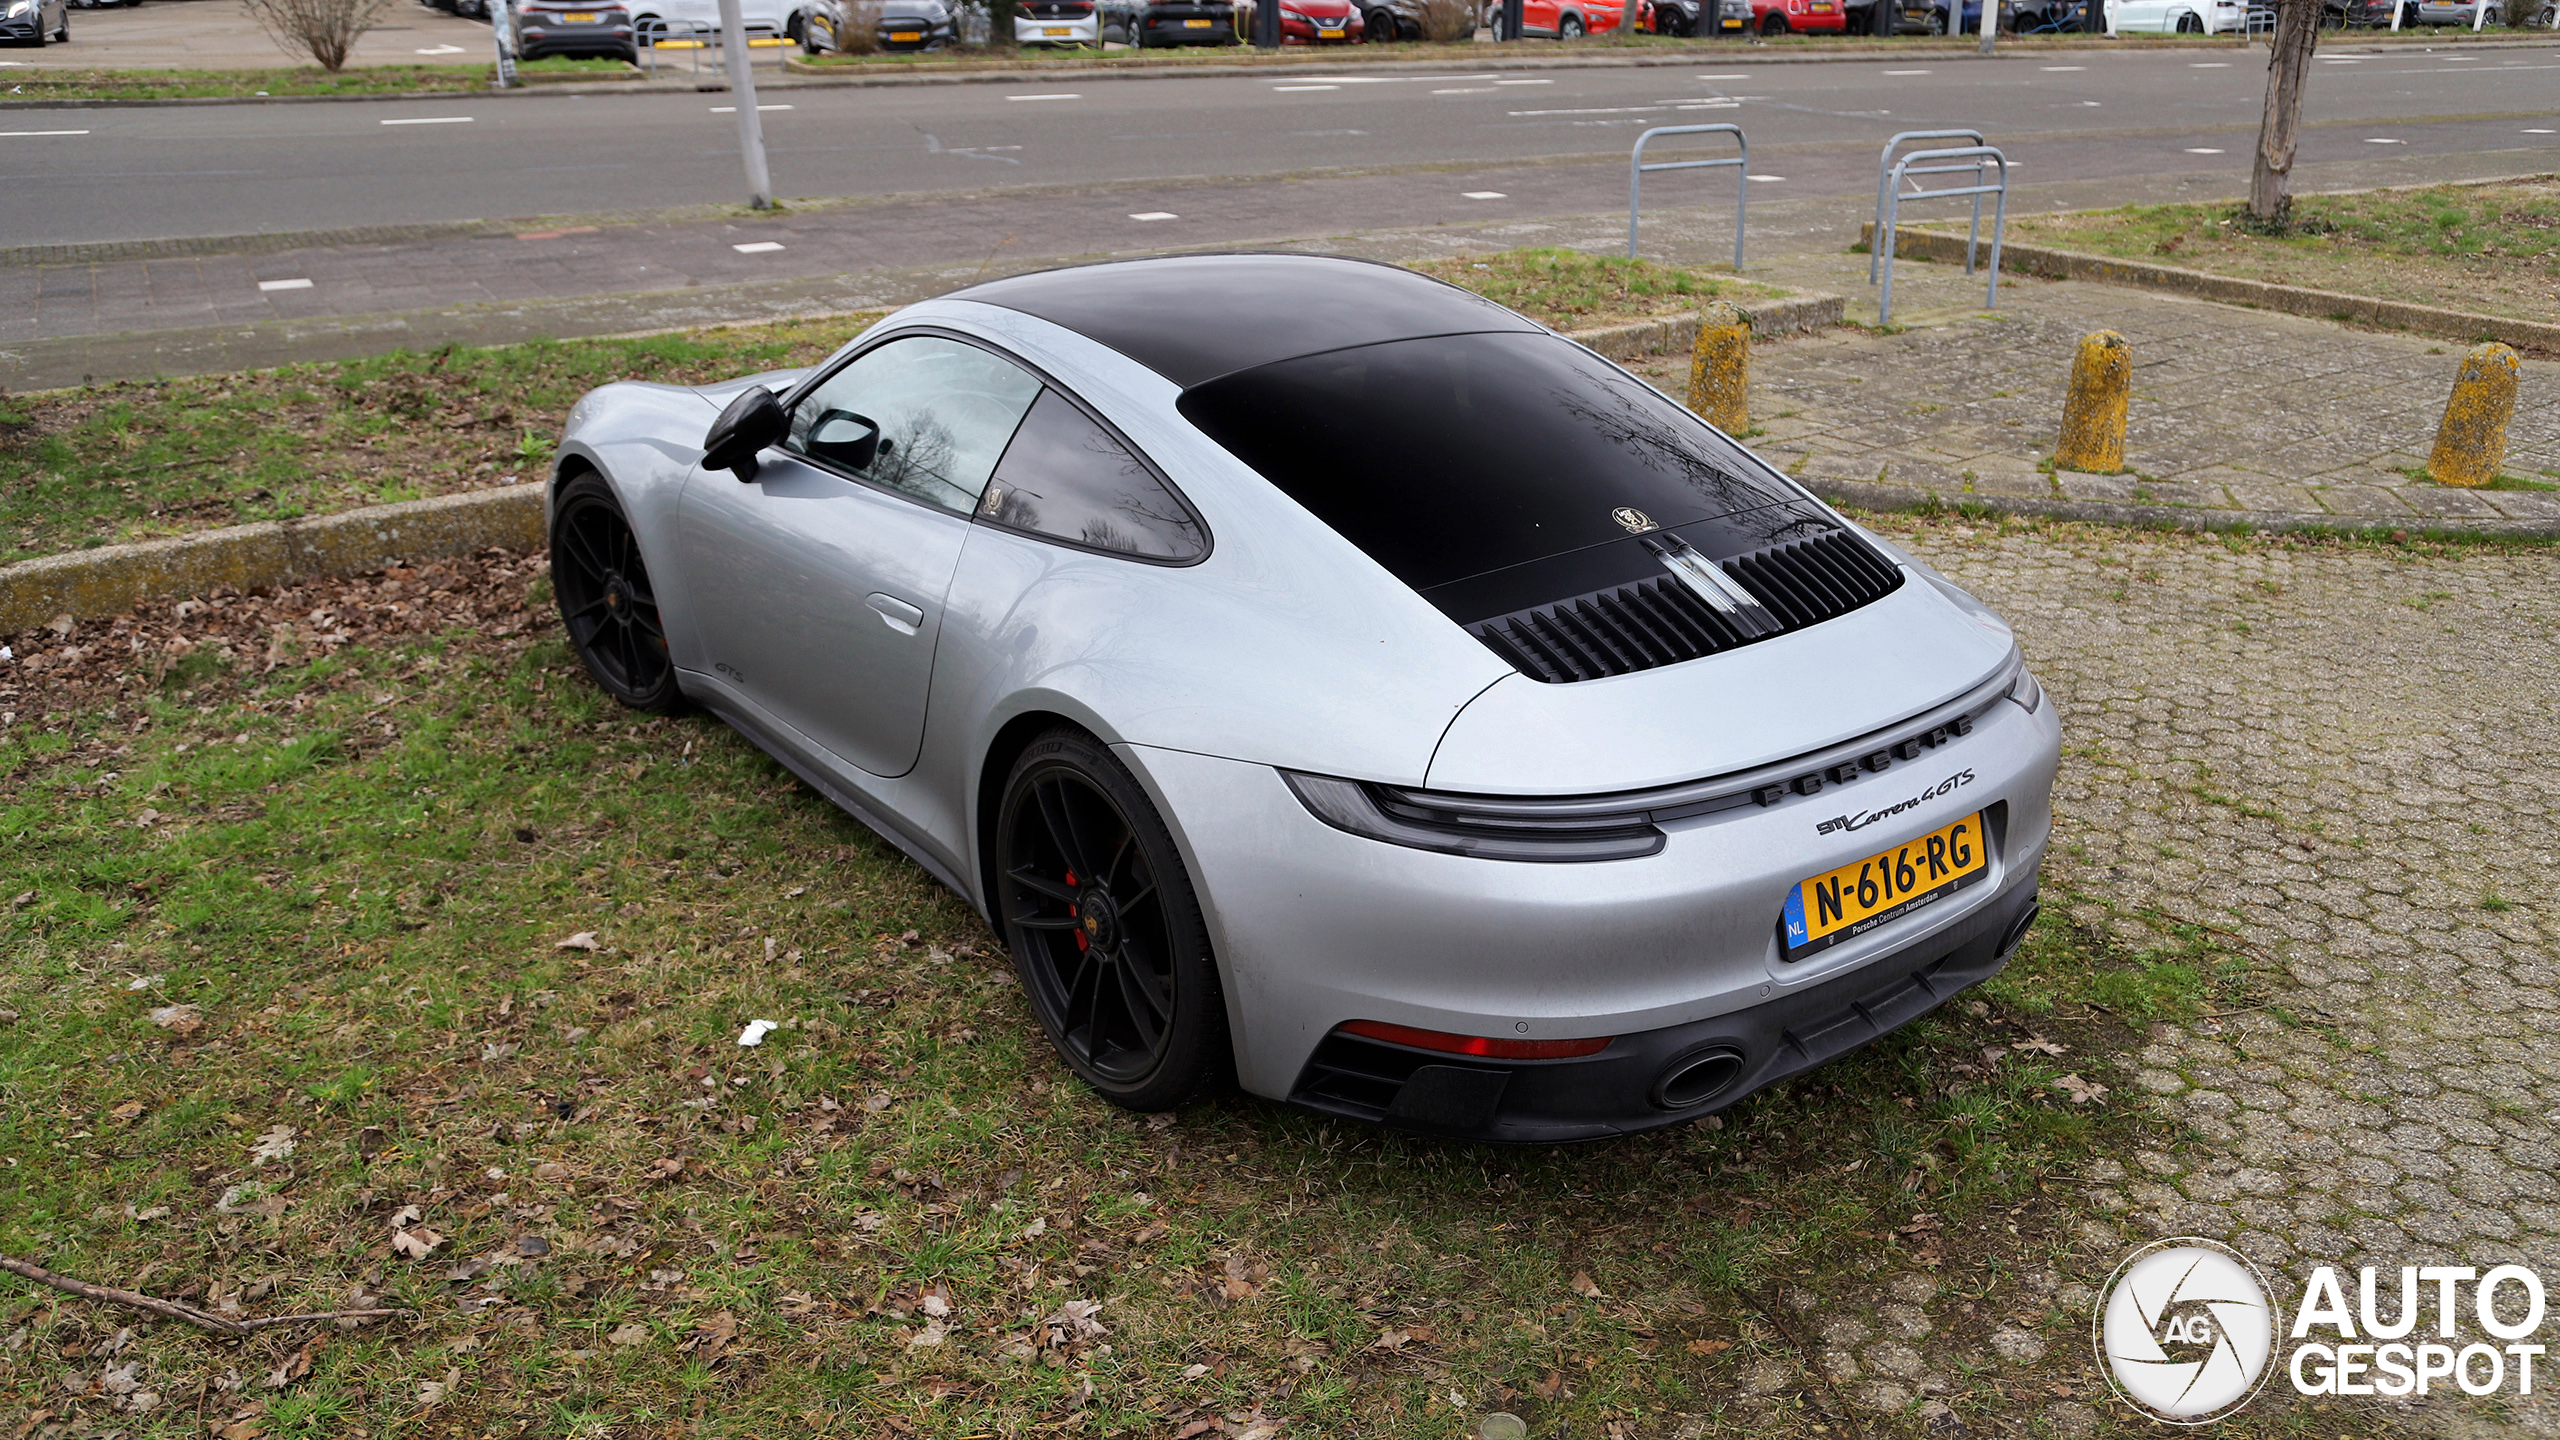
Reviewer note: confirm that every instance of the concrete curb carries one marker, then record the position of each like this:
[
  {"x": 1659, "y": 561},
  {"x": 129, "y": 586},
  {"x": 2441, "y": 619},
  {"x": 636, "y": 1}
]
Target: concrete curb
[
  {"x": 114, "y": 578},
  {"x": 1674, "y": 334},
  {"x": 2528, "y": 335},
  {"x": 1869, "y": 495}
]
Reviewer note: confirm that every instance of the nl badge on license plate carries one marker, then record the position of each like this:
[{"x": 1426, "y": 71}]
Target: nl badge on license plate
[{"x": 1858, "y": 897}]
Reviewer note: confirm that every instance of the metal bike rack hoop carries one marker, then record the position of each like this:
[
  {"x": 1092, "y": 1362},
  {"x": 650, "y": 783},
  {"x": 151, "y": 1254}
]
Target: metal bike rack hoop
[
  {"x": 1636, "y": 167},
  {"x": 1884, "y": 169},
  {"x": 1965, "y": 157}
]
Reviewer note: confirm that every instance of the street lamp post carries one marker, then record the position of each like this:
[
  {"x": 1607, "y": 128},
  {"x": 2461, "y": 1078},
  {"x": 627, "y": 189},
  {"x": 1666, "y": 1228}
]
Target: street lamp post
[
  {"x": 742, "y": 88},
  {"x": 502, "y": 29}
]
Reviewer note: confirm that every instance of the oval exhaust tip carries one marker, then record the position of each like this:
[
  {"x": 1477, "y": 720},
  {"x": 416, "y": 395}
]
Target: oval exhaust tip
[{"x": 1696, "y": 1079}]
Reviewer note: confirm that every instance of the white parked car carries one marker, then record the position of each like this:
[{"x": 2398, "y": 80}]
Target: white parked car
[
  {"x": 2177, "y": 17},
  {"x": 656, "y": 19},
  {"x": 1057, "y": 22}
]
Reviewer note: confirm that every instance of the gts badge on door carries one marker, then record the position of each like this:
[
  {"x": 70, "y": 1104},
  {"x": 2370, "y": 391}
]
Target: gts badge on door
[{"x": 732, "y": 671}]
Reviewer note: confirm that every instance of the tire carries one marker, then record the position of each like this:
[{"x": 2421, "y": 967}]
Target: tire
[
  {"x": 606, "y": 601},
  {"x": 1381, "y": 27},
  {"x": 1105, "y": 928},
  {"x": 1773, "y": 23},
  {"x": 1569, "y": 28}
]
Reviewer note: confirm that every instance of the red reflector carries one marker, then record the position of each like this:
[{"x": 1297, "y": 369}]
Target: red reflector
[{"x": 1490, "y": 1048}]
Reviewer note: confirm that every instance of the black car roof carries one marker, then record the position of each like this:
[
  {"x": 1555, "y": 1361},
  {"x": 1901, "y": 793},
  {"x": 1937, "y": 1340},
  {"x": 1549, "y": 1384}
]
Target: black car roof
[{"x": 1193, "y": 318}]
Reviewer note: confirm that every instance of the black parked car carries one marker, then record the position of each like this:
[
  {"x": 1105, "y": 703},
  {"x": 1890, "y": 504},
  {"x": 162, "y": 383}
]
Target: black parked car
[
  {"x": 1154, "y": 24},
  {"x": 32, "y": 22},
  {"x": 574, "y": 28}
]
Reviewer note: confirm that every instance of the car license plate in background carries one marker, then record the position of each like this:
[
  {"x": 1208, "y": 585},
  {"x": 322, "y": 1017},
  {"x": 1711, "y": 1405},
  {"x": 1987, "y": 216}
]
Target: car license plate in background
[
  {"x": 1057, "y": 29},
  {"x": 903, "y": 36},
  {"x": 1856, "y": 898}
]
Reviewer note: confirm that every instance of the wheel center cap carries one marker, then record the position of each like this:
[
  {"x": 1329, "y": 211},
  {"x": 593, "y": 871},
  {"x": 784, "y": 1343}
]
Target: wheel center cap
[
  {"x": 616, "y": 594},
  {"x": 1099, "y": 919}
]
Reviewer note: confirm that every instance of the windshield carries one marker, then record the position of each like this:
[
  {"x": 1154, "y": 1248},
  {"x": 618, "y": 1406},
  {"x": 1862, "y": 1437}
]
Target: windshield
[{"x": 1455, "y": 455}]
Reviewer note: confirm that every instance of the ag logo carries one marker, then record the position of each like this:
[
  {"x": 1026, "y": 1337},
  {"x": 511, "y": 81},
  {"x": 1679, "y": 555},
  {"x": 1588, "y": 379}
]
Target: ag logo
[
  {"x": 1636, "y": 521},
  {"x": 2184, "y": 1330}
]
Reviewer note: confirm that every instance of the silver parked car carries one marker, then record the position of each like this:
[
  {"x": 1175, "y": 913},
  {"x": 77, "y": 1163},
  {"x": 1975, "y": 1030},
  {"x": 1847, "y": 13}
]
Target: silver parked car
[{"x": 1312, "y": 668}]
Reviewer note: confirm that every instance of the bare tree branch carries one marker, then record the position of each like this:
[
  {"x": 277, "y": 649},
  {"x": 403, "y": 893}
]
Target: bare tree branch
[
  {"x": 171, "y": 1309},
  {"x": 325, "y": 30}
]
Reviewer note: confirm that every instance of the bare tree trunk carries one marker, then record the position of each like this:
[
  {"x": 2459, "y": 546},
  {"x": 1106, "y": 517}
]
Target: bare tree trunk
[{"x": 2288, "y": 65}]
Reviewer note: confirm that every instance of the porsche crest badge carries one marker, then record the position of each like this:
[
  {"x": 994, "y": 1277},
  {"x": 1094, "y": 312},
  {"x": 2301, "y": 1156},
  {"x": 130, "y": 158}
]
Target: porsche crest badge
[{"x": 1635, "y": 521}]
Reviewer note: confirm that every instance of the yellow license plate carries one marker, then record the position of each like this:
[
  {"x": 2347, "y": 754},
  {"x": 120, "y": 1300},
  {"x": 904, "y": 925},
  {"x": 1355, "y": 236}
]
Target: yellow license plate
[
  {"x": 1057, "y": 30},
  {"x": 1854, "y": 899},
  {"x": 903, "y": 36}
]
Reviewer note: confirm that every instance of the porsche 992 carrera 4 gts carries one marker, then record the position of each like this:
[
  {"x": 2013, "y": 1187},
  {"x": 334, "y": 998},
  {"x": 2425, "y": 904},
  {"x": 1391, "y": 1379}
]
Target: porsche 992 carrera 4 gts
[{"x": 1320, "y": 673}]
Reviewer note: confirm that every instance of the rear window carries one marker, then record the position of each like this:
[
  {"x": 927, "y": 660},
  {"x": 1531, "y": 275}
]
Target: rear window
[{"x": 1454, "y": 455}]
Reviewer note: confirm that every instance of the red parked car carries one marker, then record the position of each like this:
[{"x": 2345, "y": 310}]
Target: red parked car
[
  {"x": 1572, "y": 19},
  {"x": 1309, "y": 22},
  {"x": 1814, "y": 17}
]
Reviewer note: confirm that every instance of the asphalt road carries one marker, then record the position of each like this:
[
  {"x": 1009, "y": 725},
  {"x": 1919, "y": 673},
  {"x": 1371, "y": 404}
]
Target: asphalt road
[{"x": 138, "y": 173}]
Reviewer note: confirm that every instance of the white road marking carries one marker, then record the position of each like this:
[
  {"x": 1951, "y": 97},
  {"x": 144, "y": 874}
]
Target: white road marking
[
  {"x": 1771, "y": 178},
  {"x": 284, "y": 284},
  {"x": 42, "y": 132},
  {"x": 1461, "y": 90},
  {"x": 443, "y": 50},
  {"x": 1524, "y": 82},
  {"x": 2520, "y": 132},
  {"x": 433, "y": 120},
  {"x": 1483, "y": 195},
  {"x": 1390, "y": 79},
  {"x": 1724, "y": 77},
  {"x": 1044, "y": 97},
  {"x": 2209, "y": 65},
  {"x": 2199, "y": 150},
  {"x": 2327, "y": 60},
  {"x": 732, "y": 109},
  {"x": 2382, "y": 140},
  {"x": 1599, "y": 110},
  {"x": 1155, "y": 215},
  {"x": 1291, "y": 89},
  {"x": 1906, "y": 72},
  {"x": 758, "y": 247},
  {"x": 2060, "y": 69}
]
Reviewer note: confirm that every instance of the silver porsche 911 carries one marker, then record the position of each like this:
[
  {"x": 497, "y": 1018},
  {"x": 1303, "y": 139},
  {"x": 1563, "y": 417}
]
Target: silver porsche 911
[{"x": 1319, "y": 671}]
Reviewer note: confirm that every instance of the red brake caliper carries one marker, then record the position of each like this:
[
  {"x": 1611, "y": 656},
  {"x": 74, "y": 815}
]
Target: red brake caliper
[{"x": 1078, "y": 932}]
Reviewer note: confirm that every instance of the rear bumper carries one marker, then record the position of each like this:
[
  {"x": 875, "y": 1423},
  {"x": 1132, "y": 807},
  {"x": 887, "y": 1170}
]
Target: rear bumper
[{"x": 1637, "y": 1083}]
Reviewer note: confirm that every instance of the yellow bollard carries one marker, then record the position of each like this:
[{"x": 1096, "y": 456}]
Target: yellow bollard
[
  {"x": 2472, "y": 442},
  {"x": 2093, "y": 412},
  {"x": 1720, "y": 368}
]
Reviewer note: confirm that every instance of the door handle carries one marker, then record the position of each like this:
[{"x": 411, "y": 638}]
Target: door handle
[{"x": 900, "y": 616}]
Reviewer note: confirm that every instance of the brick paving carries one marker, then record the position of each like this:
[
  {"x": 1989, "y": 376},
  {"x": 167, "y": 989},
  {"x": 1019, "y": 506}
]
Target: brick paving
[{"x": 2341, "y": 760}]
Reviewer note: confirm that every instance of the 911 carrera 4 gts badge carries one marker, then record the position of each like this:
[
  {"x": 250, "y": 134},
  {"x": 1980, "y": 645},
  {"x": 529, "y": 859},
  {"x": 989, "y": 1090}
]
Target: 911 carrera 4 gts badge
[{"x": 1636, "y": 521}]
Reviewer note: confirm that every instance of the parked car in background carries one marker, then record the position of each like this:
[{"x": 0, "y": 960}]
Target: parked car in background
[
  {"x": 2179, "y": 17},
  {"x": 33, "y": 22},
  {"x": 1155, "y": 24},
  {"x": 1562, "y": 19},
  {"x": 652, "y": 20},
  {"x": 1057, "y": 22},
  {"x": 2455, "y": 12},
  {"x": 1809, "y": 17},
  {"x": 575, "y": 29},
  {"x": 1701, "y": 17},
  {"x": 896, "y": 25},
  {"x": 1310, "y": 22}
]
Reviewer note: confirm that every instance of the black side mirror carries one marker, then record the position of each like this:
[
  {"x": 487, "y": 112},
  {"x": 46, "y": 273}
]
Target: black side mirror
[
  {"x": 754, "y": 420},
  {"x": 845, "y": 439}
]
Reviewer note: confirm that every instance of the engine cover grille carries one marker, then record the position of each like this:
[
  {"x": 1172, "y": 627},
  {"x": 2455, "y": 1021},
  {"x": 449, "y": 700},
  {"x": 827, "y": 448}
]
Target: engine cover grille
[{"x": 1660, "y": 621}]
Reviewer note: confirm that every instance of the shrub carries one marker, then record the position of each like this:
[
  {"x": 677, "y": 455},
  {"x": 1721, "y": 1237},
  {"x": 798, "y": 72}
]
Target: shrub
[
  {"x": 325, "y": 30},
  {"x": 1446, "y": 20}
]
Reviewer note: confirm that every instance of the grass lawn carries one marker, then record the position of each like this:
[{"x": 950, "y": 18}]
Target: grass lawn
[
  {"x": 277, "y": 80},
  {"x": 353, "y": 945},
  {"x": 137, "y": 459},
  {"x": 2494, "y": 249}
]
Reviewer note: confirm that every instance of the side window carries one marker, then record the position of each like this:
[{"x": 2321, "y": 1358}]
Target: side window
[
  {"x": 924, "y": 416},
  {"x": 1068, "y": 478}
]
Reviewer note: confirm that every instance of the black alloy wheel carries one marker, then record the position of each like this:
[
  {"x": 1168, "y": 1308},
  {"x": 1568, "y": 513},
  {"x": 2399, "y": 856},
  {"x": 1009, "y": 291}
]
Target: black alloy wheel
[
  {"x": 1773, "y": 24},
  {"x": 1569, "y": 28},
  {"x": 606, "y": 601},
  {"x": 1104, "y": 927},
  {"x": 1379, "y": 27}
]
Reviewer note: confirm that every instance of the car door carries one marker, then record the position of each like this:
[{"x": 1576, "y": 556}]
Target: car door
[{"x": 820, "y": 580}]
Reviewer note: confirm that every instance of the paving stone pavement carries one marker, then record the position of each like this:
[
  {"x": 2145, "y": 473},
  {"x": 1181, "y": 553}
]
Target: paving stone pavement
[
  {"x": 2236, "y": 414},
  {"x": 2341, "y": 761}
]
